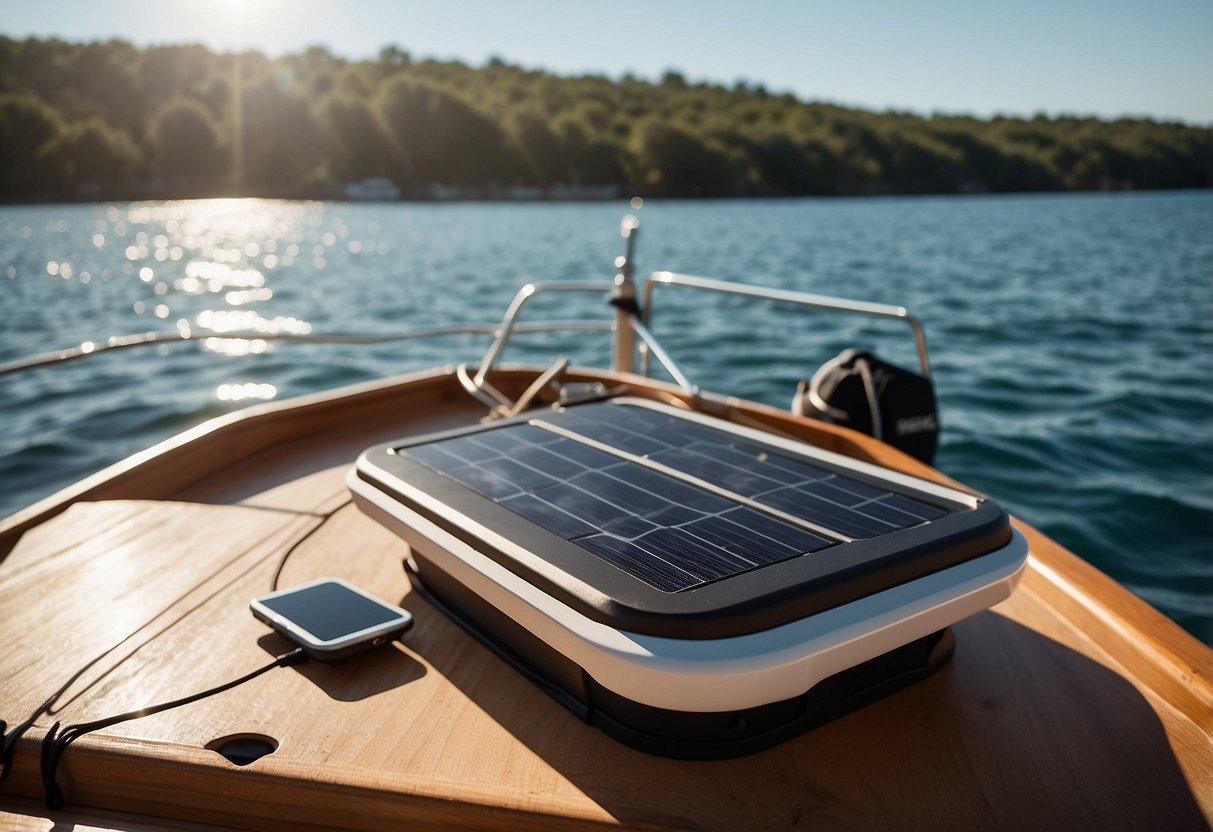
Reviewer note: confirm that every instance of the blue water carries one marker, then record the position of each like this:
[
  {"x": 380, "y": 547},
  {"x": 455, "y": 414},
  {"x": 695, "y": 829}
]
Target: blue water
[{"x": 1071, "y": 335}]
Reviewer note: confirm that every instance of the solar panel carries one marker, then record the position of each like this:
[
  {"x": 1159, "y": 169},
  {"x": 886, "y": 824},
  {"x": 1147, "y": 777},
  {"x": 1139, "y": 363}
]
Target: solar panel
[
  {"x": 671, "y": 502},
  {"x": 683, "y": 582}
]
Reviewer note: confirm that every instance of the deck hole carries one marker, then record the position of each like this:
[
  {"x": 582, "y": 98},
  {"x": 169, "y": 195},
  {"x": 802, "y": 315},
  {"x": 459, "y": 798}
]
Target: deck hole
[{"x": 242, "y": 749}]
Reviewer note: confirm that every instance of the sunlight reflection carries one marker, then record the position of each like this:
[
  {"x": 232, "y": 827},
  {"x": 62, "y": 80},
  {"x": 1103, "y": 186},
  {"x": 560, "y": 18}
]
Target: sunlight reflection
[
  {"x": 234, "y": 347},
  {"x": 209, "y": 276},
  {"x": 240, "y": 392},
  {"x": 237, "y": 320},
  {"x": 246, "y": 296}
]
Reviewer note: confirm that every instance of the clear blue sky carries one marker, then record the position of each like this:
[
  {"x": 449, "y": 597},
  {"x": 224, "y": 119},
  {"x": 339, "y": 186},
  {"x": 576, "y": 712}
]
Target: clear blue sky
[{"x": 1101, "y": 57}]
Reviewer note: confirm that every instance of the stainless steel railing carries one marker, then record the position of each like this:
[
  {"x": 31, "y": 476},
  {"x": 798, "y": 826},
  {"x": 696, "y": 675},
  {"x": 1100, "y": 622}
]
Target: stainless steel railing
[
  {"x": 807, "y": 299},
  {"x": 626, "y": 322},
  {"x": 144, "y": 339}
]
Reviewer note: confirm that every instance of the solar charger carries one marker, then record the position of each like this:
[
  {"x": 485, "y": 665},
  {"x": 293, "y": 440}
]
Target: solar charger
[{"x": 695, "y": 588}]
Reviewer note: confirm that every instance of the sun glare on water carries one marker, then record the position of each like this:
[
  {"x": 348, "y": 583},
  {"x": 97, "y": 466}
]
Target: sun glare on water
[{"x": 212, "y": 265}]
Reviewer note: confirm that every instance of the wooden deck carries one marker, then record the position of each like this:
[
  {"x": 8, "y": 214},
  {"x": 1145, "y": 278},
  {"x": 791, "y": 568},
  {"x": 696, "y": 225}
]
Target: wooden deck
[{"x": 1071, "y": 705}]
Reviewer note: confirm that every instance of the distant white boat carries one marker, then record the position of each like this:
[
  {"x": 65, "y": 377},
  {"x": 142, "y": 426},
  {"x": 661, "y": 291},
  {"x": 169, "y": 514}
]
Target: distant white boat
[{"x": 372, "y": 189}]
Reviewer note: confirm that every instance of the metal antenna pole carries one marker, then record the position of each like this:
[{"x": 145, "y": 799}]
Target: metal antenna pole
[{"x": 623, "y": 298}]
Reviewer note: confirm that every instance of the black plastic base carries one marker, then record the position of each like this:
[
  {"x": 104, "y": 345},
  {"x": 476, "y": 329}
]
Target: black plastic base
[
  {"x": 714, "y": 736},
  {"x": 668, "y": 733}
]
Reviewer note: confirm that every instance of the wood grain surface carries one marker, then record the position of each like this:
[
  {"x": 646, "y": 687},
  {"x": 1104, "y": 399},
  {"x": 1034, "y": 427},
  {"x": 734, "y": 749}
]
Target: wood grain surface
[{"x": 1071, "y": 705}]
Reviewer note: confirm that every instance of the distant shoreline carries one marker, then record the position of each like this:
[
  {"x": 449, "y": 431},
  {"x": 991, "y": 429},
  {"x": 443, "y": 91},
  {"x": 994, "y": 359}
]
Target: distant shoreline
[
  {"x": 83, "y": 122},
  {"x": 587, "y": 200}
]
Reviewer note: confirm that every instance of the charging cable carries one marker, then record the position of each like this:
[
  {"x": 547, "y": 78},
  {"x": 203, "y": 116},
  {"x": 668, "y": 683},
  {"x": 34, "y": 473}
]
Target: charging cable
[{"x": 56, "y": 742}]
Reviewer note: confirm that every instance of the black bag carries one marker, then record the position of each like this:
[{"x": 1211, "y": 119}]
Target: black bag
[{"x": 859, "y": 391}]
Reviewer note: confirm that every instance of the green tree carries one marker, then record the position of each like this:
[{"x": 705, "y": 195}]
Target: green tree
[
  {"x": 27, "y": 124},
  {"x": 917, "y": 163},
  {"x": 676, "y": 162},
  {"x": 593, "y": 157},
  {"x": 442, "y": 138},
  {"x": 186, "y": 142},
  {"x": 104, "y": 84},
  {"x": 786, "y": 165},
  {"x": 89, "y": 158},
  {"x": 281, "y": 146},
  {"x": 166, "y": 71},
  {"x": 358, "y": 145},
  {"x": 541, "y": 150}
]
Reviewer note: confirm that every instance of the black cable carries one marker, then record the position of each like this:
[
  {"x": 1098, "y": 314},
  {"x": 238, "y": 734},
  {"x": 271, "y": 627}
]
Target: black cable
[
  {"x": 8, "y": 746},
  {"x": 55, "y": 744},
  {"x": 324, "y": 518}
]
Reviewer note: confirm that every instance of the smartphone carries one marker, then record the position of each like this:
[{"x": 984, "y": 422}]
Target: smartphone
[{"x": 330, "y": 619}]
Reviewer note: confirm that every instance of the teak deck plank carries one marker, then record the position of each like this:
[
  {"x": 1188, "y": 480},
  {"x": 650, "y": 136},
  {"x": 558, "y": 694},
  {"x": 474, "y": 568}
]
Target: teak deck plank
[{"x": 1055, "y": 712}]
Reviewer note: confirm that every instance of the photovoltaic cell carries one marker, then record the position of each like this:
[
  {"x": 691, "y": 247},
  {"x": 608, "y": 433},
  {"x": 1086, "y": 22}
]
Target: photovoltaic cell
[
  {"x": 824, "y": 513},
  {"x": 745, "y": 543},
  {"x": 486, "y": 482},
  {"x": 550, "y": 516},
  {"x": 675, "y": 503},
  {"x": 769, "y": 528},
  {"x": 639, "y": 562},
  {"x": 692, "y": 554}
]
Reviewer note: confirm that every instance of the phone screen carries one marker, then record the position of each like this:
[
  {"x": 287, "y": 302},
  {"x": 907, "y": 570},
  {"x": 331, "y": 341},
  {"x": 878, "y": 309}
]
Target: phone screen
[{"x": 329, "y": 610}]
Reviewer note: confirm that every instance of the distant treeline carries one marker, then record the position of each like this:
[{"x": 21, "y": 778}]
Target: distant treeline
[{"x": 111, "y": 121}]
